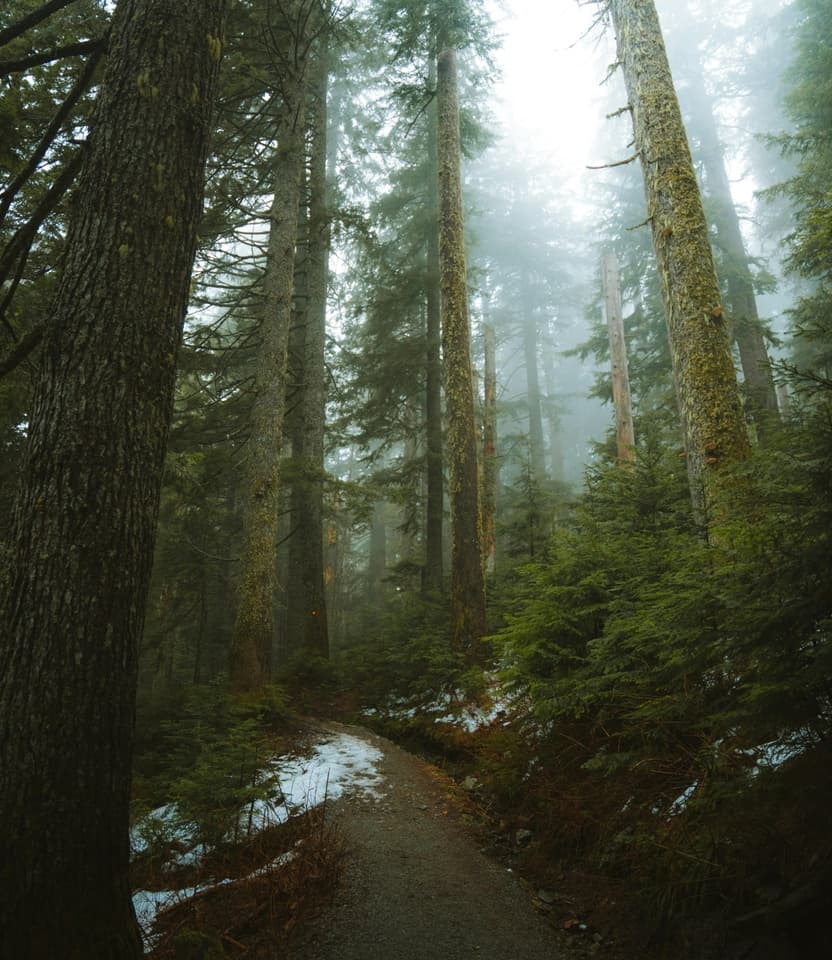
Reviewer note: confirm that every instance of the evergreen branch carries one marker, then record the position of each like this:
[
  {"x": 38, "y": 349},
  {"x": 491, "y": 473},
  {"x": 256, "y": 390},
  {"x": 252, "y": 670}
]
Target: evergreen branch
[
  {"x": 82, "y": 84},
  {"x": 49, "y": 56},
  {"x": 21, "y": 242},
  {"x": 10, "y": 292},
  {"x": 16, "y": 29}
]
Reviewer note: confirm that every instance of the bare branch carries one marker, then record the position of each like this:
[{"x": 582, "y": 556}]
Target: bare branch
[{"x": 618, "y": 163}]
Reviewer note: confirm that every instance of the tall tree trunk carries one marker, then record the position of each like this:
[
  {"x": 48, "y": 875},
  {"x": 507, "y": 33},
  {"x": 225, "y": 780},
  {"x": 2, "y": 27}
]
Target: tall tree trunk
[
  {"x": 624, "y": 433},
  {"x": 434, "y": 507},
  {"x": 489, "y": 450},
  {"x": 79, "y": 561},
  {"x": 307, "y": 615},
  {"x": 714, "y": 426},
  {"x": 254, "y": 628},
  {"x": 530, "y": 350},
  {"x": 377, "y": 561},
  {"x": 552, "y": 415},
  {"x": 761, "y": 398},
  {"x": 467, "y": 582}
]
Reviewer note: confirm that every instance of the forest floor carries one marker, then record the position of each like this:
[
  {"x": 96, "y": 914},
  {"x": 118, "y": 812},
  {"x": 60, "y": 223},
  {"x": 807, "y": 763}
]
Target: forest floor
[{"x": 418, "y": 883}]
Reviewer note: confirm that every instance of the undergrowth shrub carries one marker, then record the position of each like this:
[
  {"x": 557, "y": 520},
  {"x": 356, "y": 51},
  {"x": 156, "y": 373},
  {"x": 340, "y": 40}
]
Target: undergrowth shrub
[
  {"x": 399, "y": 647},
  {"x": 205, "y": 765},
  {"x": 277, "y": 878},
  {"x": 665, "y": 691}
]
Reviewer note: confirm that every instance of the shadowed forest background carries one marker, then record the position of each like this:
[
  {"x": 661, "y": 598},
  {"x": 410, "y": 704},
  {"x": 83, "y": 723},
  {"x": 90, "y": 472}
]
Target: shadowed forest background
[{"x": 364, "y": 369}]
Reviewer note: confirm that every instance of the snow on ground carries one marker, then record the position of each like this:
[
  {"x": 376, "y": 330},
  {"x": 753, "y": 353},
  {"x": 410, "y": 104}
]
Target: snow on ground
[
  {"x": 451, "y": 708},
  {"x": 341, "y": 764},
  {"x": 338, "y": 765}
]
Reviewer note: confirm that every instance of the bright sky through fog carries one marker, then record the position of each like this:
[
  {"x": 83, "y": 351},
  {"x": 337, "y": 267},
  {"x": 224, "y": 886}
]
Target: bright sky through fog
[{"x": 549, "y": 96}]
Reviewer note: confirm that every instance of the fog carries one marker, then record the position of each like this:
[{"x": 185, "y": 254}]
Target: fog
[{"x": 560, "y": 133}]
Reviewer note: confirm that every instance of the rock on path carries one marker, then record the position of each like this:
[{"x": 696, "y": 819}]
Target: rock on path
[{"x": 416, "y": 887}]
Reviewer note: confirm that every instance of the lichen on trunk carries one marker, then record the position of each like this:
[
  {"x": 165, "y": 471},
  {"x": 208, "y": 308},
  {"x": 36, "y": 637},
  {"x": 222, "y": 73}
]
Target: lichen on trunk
[
  {"x": 254, "y": 627},
  {"x": 467, "y": 581},
  {"x": 715, "y": 432}
]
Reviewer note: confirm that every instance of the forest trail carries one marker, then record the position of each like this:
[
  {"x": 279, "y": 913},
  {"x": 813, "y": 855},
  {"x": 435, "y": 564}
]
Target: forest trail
[{"x": 416, "y": 885}]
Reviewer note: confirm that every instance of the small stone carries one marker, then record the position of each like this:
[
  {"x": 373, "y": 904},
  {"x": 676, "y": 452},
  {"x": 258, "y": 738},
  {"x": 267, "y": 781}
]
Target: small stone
[
  {"x": 522, "y": 836},
  {"x": 546, "y": 896},
  {"x": 470, "y": 783}
]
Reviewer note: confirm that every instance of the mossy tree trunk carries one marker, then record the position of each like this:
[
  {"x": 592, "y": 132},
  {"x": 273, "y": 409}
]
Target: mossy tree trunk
[
  {"x": 624, "y": 432},
  {"x": 533, "y": 399},
  {"x": 489, "y": 450},
  {"x": 307, "y": 612},
  {"x": 434, "y": 494},
  {"x": 467, "y": 581},
  {"x": 761, "y": 396},
  {"x": 79, "y": 561},
  {"x": 377, "y": 560},
  {"x": 746, "y": 328},
  {"x": 714, "y": 425},
  {"x": 552, "y": 412},
  {"x": 254, "y": 627}
]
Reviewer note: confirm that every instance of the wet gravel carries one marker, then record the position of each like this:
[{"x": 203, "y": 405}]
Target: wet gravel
[{"x": 416, "y": 885}]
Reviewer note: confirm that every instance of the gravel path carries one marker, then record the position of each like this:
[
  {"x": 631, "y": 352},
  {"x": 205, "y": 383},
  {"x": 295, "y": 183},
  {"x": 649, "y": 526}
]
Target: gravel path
[{"x": 416, "y": 887}]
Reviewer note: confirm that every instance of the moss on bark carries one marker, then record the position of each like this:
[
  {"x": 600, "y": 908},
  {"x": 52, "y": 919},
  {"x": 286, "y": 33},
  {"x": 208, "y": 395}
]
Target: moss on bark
[
  {"x": 709, "y": 399},
  {"x": 254, "y": 627},
  {"x": 467, "y": 582}
]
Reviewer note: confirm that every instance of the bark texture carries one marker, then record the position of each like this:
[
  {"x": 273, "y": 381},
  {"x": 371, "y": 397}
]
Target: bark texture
[
  {"x": 307, "y": 614},
  {"x": 489, "y": 450},
  {"x": 761, "y": 397},
  {"x": 714, "y": 426},
  {"x": 254, "y": 627},
  {"x": 434, "y": 507},
  {"x": 75, "y": 587},
  {"x": 467, "y": 581},
  {"x": 533, "y": 399},
  {"x": 552, "y": 414},
  {"x": 624, "y": 433}
]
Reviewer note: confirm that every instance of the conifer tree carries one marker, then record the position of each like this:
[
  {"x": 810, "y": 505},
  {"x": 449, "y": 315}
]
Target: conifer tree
[
  {"x": 434, "y": 479},
  {"x": 307, "y": 628},
  {"x": 713, "y": 422},
  {"x": 625, "y": 438},
  {"x": 745, "y": 325},
  {"x": 254, "y": 630},
  {"x": 79, "y": 561},
  {"x": 467, "y": 581},
  {"x": 810, "y": 148}
]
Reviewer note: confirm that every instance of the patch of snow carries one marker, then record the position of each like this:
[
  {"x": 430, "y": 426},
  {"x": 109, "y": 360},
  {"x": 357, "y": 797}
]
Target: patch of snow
[
  {"x": 164, "y": 824},
  {"x": 341, "y": 764},
  {"x": 448, "y": 707},
  {"x": 148, "y": 904},
  {"x": 189, "y": 858},
  {"x": 681, "y": 801},
  {"x": 774, "y": 753}
]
